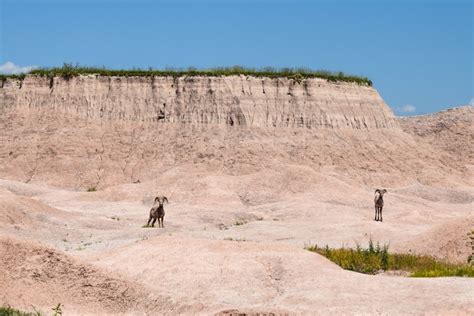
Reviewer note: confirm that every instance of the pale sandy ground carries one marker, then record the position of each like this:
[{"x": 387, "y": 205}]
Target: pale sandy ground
[
  {"x": 221, "y": 254},
  {"x": 236, "y": 242}
]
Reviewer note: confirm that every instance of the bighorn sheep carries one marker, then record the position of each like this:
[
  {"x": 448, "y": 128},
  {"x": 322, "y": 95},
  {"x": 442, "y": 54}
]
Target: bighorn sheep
[
  {"x": 378, "y": 201},
  {"x": 157, "y": 212}
]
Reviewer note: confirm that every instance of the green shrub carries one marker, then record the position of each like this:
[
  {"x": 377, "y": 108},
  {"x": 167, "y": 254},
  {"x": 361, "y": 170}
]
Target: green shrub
[{"x": 376, "y": 258}]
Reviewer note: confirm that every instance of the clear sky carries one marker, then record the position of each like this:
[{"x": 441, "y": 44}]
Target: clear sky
[{"x": 419, "y": 54}]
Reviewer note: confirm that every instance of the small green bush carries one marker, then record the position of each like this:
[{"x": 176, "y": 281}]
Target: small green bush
[{"x": 376, "y": 258}]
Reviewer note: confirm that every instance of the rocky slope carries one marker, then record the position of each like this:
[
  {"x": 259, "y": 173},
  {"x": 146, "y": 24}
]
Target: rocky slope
[{"x": 451, "y": 130}]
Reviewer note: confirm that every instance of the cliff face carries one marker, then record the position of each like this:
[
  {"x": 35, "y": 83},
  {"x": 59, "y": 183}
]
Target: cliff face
[
  {"x": 230, "y": 100},
  {"x": 94, "y": 132}
]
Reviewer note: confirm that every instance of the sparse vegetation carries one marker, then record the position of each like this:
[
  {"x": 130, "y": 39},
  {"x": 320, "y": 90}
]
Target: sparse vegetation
[
  {"x": 57, "y": 310},
  {"x": 69, "y": 70},
  {"x": 235, "y": 239},
  {"x": 4, "y": 77},
  {"x": 9, "y": 311},
  {"x": 376, "y": 258},
  {"x": 91, "y": 189}
]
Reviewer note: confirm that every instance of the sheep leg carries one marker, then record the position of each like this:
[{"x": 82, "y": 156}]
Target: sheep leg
[
  {"x": 162, "y": 224},
  {"x": 153, "y": 223},
  {"x": 149, "y": 220},
  {"x": 381, "y": 219}
]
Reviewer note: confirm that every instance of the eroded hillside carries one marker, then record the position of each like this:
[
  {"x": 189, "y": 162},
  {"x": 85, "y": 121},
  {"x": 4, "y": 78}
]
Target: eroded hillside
[
  {"x": 96, "y": 131},
  {"x": 255, "y": 170}
]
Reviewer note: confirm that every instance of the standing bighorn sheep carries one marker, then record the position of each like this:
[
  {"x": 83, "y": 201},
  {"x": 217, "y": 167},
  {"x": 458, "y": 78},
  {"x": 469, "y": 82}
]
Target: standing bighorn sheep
[
  {"x": 157, "y": 212},
  {"x": 378, "y": 201}
]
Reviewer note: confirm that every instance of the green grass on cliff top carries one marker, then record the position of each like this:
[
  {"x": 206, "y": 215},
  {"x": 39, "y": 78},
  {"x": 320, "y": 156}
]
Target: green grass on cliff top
[{"x": 68, "y": 71}]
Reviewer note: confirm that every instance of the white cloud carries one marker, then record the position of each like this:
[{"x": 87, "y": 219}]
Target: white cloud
[
  {"x": 407, "y": 108},
  {"x": 10, "y": 68}
]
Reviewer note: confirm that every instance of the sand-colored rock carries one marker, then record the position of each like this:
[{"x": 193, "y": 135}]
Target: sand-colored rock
[
  {"x": 226, "y": 100},
  {"x": 252, "y": 179},
  {"x": 263, "y": 277},
  {"x": 35, "y": 277}
]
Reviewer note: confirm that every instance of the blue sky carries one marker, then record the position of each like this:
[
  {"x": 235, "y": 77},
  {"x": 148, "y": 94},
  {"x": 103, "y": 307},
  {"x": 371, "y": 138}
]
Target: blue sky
[{"x": 419, "y": 54}]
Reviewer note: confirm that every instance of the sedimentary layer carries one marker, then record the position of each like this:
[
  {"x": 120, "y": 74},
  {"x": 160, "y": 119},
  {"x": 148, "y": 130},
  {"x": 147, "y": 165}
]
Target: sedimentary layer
[{"x": 226, "y": 100}]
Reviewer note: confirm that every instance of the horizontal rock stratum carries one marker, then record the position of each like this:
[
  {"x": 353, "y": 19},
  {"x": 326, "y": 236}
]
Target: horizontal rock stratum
[{"x": 226, "y": 100}]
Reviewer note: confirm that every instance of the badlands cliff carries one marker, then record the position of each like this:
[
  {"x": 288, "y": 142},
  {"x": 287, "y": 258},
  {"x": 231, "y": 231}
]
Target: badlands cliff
[
  {"x": 255, "y": 170},
  {"x": 91, "y": 132},
  {"x": 226, "y": 100}
]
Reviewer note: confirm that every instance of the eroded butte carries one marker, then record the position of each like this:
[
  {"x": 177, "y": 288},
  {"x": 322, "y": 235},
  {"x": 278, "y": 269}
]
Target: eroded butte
[{"x": 254, "y": 169}]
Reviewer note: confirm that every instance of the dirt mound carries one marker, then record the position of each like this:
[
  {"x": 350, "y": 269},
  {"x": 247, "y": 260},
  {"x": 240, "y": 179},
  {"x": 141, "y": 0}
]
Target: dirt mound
[
  {"x": 451, "y": 131},
  {"x": 32, "y": 275},
  {"x": 450, "y": 241},
  {"x": 250, "y": 277},
  {"x": 436, "y": 194},
  {"x": 24, "y": 212}
]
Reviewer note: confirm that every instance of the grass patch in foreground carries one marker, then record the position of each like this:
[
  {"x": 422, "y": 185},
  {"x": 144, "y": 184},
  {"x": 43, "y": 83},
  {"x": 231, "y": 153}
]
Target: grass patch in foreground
[
  {"x": 9, "y": 311},
  {"x": 376, "y": 258}
]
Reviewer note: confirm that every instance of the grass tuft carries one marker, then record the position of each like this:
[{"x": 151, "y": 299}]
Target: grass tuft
[
  {"x": 69, "y": 70},
  {"x": 9, "y": 311},
  {"x": 376, "y": 258}
]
